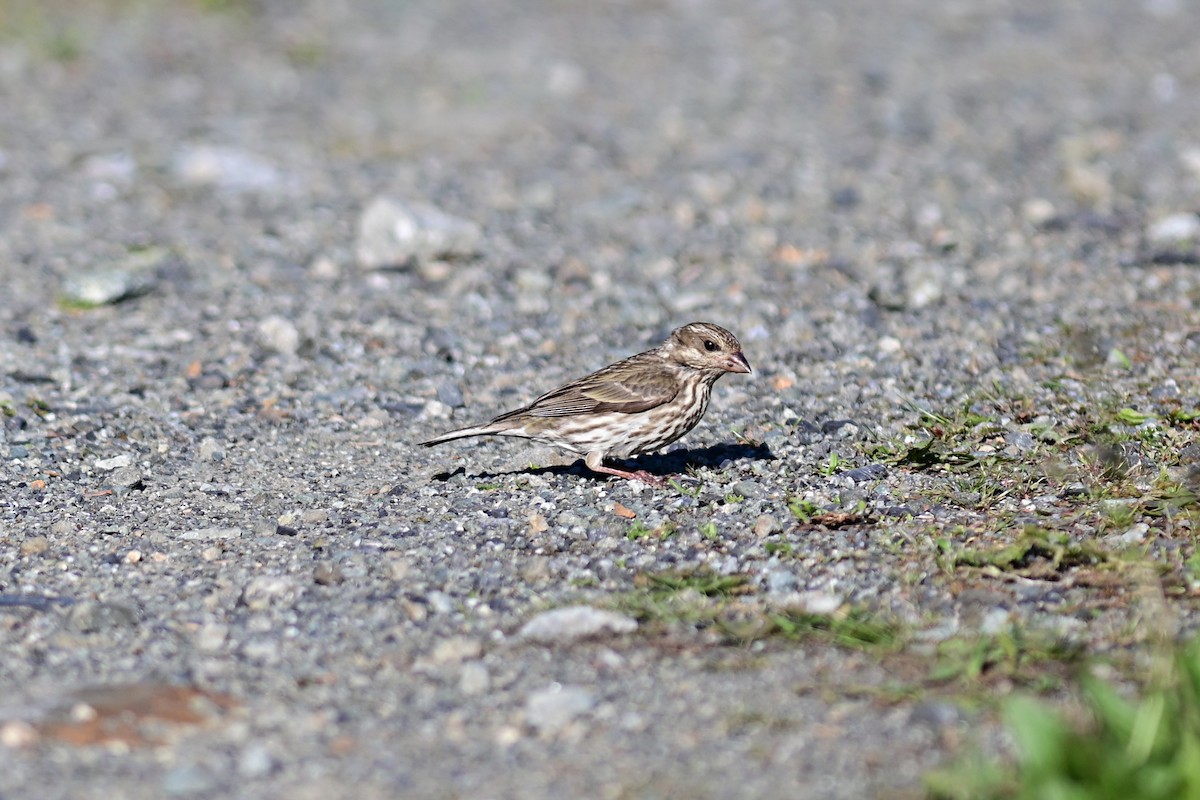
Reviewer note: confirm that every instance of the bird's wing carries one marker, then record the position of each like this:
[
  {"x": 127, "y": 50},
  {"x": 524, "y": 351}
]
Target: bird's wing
[{"x": 629, "y": 386}]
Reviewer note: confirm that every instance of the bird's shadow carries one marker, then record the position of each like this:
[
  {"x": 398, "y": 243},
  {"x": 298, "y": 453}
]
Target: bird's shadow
[{"x": 674, "y": 464}]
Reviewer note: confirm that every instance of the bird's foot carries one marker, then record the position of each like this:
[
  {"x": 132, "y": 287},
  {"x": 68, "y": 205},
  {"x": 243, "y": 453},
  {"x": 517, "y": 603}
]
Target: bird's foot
[
  {"x": 642, "y": 475},
  {"x": 648, "y": 478}
]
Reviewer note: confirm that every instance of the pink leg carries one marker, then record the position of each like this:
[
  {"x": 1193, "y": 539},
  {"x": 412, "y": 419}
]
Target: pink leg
[{"x": 595, "y": 462}]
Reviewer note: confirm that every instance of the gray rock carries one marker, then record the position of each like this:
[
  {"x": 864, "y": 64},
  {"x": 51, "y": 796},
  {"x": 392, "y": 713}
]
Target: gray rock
[
  {"x": 1180, "y": 228},
  {"x": 125, "y": 477},
  {"x": 92, "y": 616},
  {"x": 189, "y": 779},
  {"x": 936, "y": 714},
  {"x": 279, "y": 334},
  {"x": 870, "y": 472},
  {"x": 440, "y": 602},
  {"x": 207, "y": 534},
  {"x": 451, "y": 394},
  {"x": 551, "y": 709},
  {"x": 116, "y": 462},
  {"x": 255, "y": 762},
  {"x": 1020, "y": 441},
  {"x": 746, "y": 488},
  {"x": 392, "y": 233},
  {"x": 210, "y": 450},
  {"x": 265, "y": 591},
  {"x": 228, "y": 168},
  {"x": 474, "y": 679},
  {"x": 818, "y": 602},
  {"x": 781, "y": 581},
  {"x": 573, "y": 623},
  {"x": 106, "y": 286}
]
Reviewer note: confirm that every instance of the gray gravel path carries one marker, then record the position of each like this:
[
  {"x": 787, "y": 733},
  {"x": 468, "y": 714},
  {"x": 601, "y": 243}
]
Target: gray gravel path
[{"x": 958, "y": 241}]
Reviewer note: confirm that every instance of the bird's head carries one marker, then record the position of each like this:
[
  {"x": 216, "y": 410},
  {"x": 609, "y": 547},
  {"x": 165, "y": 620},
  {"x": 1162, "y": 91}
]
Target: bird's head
[{"x": 704, "y": 346}]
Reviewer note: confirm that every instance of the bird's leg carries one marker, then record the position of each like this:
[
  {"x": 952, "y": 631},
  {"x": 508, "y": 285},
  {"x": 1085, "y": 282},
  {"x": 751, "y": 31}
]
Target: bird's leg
[{"x": 595, "y": 462}]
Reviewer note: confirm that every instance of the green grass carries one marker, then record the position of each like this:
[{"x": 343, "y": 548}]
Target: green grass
[
  {"x": 1144, "y": 747},
  {"x": 803, "y": 510},
  {"x": 640, "y": 530},
  {"x": 1036, "y": 549},
  {"x": 1014, "y": 654}
]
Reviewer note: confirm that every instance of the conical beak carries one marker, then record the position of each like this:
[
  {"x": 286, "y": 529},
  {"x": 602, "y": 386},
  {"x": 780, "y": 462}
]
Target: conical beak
[{"x": 737, "y": 363}]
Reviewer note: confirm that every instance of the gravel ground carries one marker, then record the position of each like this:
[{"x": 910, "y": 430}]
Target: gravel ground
[{"x": 253, "y": 251}]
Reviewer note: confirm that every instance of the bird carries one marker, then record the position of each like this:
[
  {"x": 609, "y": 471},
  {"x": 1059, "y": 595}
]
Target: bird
[{"x": 636, "y": 405}]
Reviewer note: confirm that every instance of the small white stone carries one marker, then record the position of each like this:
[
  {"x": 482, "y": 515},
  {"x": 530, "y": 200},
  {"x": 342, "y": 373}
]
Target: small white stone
[
  {"x": 995, "y": 621},
  {"x": 1175, "y": 228},
  {"x": 279, "y": 334},
  {"x": 205, "y": 534},
  {"x": 1038, "y": 211},
  {"x": 573, "y": 623},
  {"x": 210, "y": 450},
  {"x": 116, "y": 462},
  {"x": 889, "y": 345},
  {"x": 18, "y": 733},
  {"x": 267, "y": 590},
  {"x": 816, "y": 602},
  {"x": 474, "y": 679},
  {"x": 551, "y": 709}
]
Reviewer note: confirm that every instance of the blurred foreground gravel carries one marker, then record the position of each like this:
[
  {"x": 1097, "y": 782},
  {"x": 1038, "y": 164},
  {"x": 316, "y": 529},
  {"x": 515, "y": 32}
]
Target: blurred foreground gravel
[{"x": 251, "y": 252}]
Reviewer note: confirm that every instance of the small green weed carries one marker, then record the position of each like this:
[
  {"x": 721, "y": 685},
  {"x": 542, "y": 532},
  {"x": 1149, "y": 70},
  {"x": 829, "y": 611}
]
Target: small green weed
[
  {"x": 803, "y": 510},
  {"x": 1146, "y": 748},
  {"x": 834, "y": 465}
]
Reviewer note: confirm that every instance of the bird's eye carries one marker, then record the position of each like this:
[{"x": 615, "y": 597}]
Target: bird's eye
[{"x": 710, "y": 345}]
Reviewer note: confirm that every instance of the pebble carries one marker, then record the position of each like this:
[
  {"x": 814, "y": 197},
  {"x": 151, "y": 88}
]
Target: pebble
[
  {"x": 91, "y": 616},
  {"x": 440, "y": 602},
  {"x": 995, "y": 620},
  {"x": 1019, "y": 441},
  {"x": 870, "y": 472},
  {"x": 327, "y": 574},
  {"x": 1136, "y": 534},
  {"x": 781, "y": 581},
  {"x": 210, "y": 450},
  {"x": 263, "y": 651},
  {"x": 549, "y": 710},
  {"x": 206, "y": 534},
  {"x": 211, "y": 637},
  {"x": 116, "y": 462},
  {"x": 817, "y": 602},
  {"x": 314, "y": 516},
  {"x": 935, "y": 714},
  {"x": 228, "y": 168},
  {"x": 393, "y": 234},
  {"x": 573, "y": 623},
  {"x": 255, "y": 762},
  {"x": 889, "y": 345},
  {"x": 474, "y": 679},
  {"x": 765, "y": 525},
  {"x": 265, "y": 591},
  {"x": 455, "y": 650},
  {"x": 124, "y": 477},
  {"x": 451, "y": 394},
  {"x": 279, "y": 335},
  {"x": 18, "y": 733},
  {"x": 1180, "y": 228},
  {"x": 1038, "y": 211},
  {"x": 35, "y": 546},
  {"x": 189, "y": 779},
  {"x": 746, "y": 488},
  {"x": 101, "y": 287}
]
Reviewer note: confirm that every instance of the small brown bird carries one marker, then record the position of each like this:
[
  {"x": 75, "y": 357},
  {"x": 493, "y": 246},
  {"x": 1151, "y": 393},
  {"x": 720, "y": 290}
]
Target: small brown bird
[{"x": 633, "y": 406}]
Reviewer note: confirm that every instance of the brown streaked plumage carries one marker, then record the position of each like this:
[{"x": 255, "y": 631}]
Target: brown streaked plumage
[{"x": 633, "y": 406}]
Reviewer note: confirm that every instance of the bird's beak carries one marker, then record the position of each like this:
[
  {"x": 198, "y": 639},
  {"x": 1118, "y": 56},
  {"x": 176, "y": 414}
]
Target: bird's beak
[{"x": 737, "y": 363}]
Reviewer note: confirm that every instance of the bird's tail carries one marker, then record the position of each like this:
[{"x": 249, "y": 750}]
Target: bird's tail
[{"x": 462, "y": 433}]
